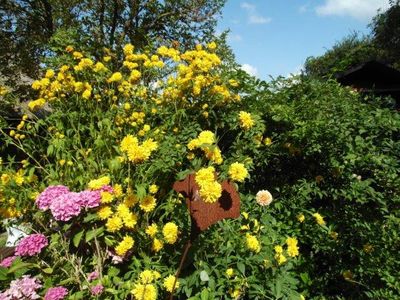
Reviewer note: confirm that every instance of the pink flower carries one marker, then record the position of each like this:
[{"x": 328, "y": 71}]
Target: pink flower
[
  {"x": 66, "y": 206},
  {"x": 44, "y": 200},
  {"x": 115, "y": 259},
  {"x": 31, "y": 245},
  {"x": 7, "y": 262},
  {"x": 107, "y": 188},
  {"x": 56, "y": 293},
  {"x": 89, "y": 199},
  {"x": 23, "y": 288},
  {"x": 97, "y": 289},
  {"x": 92, "y": 276}
]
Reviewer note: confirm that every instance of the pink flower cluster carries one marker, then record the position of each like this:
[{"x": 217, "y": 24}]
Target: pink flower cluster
[
  {"x": 56, "y": 293},
  {"x": 97, "y": 289},
  {"x": 23, "y": 288},
  {"x": 64, "y": 204},
  {"x": 31, "y": 245},
  {"x": 7, "y": 262},
  {"x": 44, "y": 200}
]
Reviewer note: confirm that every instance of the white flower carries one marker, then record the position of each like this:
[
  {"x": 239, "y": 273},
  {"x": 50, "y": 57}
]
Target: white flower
[{"x": 264, "y": 198}]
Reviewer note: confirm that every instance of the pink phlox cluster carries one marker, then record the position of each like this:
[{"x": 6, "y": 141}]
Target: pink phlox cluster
[
  {"x": 45, "y": 198},
  {"x": 31, "y": 245},
  {"x": 23, "y": 288},
  {"x": 89, "y": 199},
  {"x": 107, "y": 188},
  {"x": 97, "y": 289},
  {"x": 7, "y": 262},
  {"x": 93, "y": 276},
  {"x": 66, "y": 206},
  {"x": 115, "y": 259},
  {"x": 56, "y": 293}
]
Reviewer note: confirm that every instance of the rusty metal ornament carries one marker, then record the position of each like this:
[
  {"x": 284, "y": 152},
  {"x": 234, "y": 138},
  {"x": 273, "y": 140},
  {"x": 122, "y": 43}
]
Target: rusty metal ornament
[{"x": 203, "y": 214}]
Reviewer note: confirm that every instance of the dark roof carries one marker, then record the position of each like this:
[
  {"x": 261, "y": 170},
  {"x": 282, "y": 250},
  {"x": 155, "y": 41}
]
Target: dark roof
[{"x": 372, "y": 75}]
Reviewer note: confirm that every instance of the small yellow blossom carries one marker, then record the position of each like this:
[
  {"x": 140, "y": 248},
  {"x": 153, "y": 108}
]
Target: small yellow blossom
[
  {"x": 124, "y": 246},
  {"x": 319, "y": 219},
  {"x": 169, "y": 282},
  {"x": 170, "y": 233}
]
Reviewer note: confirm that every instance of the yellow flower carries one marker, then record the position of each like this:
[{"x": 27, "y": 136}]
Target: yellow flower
[
  {"x": 36, "y": 104},
  {"x": 114, "y": 224},
  {"x": 130, "y": 200},
  {"x": 148, "y": 203},
  {"x": 210, "y": 192},
  {"x": 130, "y": 220},
  {"x": 151, "y": 230},
  {"x": 205, "y": 175},
  {"x": 246, "y": 121},
  {"x": 301, "y": 218},
  {"x": 293, "y": 249},
  {"x": 157, "y": 245},
  {"x": 104, "y": 212},
  {"x": 96, "y": 184},
  {"x": 148, "y": 276},
  {"x": 106, "y": 197},
  {"x": 153, "y": 189},
  {"x": 124, "y": 246},
  {"x": 49, "y": 73},
  {"x": 117, "y": 190},
  {"x": 117, "y": 76},
  {"x": 237, "y": 172},
  {"x": 252, "y": 243},
  {"x": 170, "y": 232},
  {"x": 169, "y": 283},
  {"x": 319, "y": 219},
  {"x": 229, "y": 272},
  {"x": 5, "y": 178},
  {"x": 144, "y": 292}
]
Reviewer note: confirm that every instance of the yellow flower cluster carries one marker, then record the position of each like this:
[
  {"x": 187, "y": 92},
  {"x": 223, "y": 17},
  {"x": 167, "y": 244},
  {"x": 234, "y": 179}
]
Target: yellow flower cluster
[
  {"x": 210, "y": 189},
  {"x": 137, "y": 152},
  {"x": 319, "y": 219},
  {"x": 124, "y": 246},
  {"x": 292, "y": 248},
  {"x": 170, "y": 232},
  {"x": 145, "y": 289},
  {"x": 246, "y": 120},
  {"x": 252, "y": 243},
  {"x": 96, "y": 184},
  {"x": 237, "y": 172},
  {"x": 206, "y": 142},
  {"x": 279, "y": 256},
  {"x": 169, "y": 283}
]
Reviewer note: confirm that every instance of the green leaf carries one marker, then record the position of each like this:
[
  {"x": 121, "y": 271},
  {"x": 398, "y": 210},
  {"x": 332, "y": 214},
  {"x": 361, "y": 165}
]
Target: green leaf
[
  {"x": 204, "y": 276},
  {"x": 3, "y": 273},
  {"x": 241, "y": 267},
  {"x": 77, "y": 238},
  {"x": 90, "y": 235}
]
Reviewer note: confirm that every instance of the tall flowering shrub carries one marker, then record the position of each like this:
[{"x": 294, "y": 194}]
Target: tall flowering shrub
[{"x": 105, "y": 140}]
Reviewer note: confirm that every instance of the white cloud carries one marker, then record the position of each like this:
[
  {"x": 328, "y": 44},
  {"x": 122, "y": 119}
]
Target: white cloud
[
  {"x": 234, "y": 37},
  {"x": 254, "y": 19},
  {"x": 359, "y": 9},
  {"x": 249, "y": 69},
  {"x": 247, "y": 6},
  {"x": 252, "y": 16}
]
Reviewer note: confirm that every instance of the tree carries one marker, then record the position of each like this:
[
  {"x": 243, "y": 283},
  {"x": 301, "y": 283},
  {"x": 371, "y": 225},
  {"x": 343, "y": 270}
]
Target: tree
[
  {"x": 27, "y": 27},
  {"x": 386, "y": 32},
  {"x": 351, "y": 51}
]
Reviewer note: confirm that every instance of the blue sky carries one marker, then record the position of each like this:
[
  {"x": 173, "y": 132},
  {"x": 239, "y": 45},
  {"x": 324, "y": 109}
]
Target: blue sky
[{"x": 274, "y": 37}]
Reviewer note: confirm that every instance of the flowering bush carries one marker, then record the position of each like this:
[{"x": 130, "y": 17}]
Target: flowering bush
[{"x": 105, "y": 140}]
